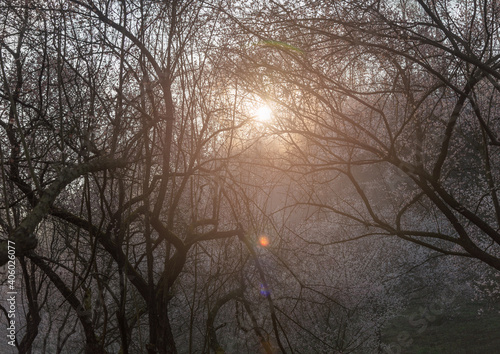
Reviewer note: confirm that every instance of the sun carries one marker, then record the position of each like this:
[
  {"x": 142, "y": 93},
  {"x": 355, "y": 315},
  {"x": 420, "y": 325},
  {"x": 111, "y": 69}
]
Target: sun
[{"x": 263, "y": 114}]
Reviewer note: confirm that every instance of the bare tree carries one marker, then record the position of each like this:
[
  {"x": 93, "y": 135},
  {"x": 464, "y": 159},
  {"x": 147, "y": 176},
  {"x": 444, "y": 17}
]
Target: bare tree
[
  {"x": 120, "y": 164},
  {"x": 153, "y": 210},
  {"x": 393, "y": 106}
]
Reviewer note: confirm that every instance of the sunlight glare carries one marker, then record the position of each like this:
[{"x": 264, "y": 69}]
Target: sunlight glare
[{"x": 263, "y": 114}]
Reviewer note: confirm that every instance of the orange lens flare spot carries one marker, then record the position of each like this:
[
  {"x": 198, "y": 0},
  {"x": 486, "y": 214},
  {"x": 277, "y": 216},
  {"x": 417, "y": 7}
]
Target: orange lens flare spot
[{"x": 264, "y": 241}]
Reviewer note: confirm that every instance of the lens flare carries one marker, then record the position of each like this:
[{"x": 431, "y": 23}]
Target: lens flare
[
  {"x": 264, "y": 290},
  {"x": 264, "y": 241}
]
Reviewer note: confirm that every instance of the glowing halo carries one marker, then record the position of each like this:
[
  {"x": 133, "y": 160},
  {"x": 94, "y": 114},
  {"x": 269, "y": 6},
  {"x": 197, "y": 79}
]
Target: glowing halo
[{"x": 263, "y": 114}]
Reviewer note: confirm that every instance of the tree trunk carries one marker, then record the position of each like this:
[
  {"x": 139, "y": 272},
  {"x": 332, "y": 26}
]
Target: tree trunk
[{"x": 160, "y": 331}]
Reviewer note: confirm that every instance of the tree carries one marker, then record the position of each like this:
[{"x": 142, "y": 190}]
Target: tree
[
  {"x": 152, "y": 210},
  {"x": 127, "y": 157},
  {"x": 392, "y": 106}
]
